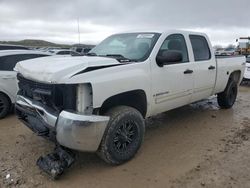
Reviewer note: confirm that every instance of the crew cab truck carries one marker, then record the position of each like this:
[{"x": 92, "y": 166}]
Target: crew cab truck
[{"x": 98, "y": 102}]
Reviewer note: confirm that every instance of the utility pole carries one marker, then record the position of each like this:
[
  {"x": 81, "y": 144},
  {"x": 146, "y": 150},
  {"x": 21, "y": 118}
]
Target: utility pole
[{"x": 79, "y": 35}]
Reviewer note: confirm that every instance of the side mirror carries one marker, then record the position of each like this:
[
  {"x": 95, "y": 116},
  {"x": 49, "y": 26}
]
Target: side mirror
[{"x": 168, "y": 57}]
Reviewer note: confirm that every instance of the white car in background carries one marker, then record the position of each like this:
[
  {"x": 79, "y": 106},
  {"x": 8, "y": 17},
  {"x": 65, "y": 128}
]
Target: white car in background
[
  {"x": 218, "y": 52},
  {"x": 228, "y": 51},
  {"x": 81, "y": 50},
  {"x": 225, "y": 52},
  {"x": 8, "y": 81},
  {"x": 60, "y": 52},
  {"x": 247, "y": 70}
]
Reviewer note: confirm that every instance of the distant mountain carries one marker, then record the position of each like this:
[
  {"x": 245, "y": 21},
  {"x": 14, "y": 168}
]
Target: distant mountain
[{"x": 41, "y": 43}]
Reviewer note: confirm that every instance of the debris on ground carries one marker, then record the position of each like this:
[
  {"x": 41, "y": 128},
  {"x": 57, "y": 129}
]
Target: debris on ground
[{"x": 54, "y": 164}]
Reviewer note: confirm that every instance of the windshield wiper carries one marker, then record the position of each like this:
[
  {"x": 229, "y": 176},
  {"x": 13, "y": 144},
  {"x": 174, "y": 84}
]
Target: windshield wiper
[
  {"x": 115, "y": 55},
  {"x": 119, "y": 57}
]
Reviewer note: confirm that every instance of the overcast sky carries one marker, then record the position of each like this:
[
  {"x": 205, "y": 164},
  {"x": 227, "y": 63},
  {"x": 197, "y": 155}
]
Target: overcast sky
[{"x": 56, "y": 20}]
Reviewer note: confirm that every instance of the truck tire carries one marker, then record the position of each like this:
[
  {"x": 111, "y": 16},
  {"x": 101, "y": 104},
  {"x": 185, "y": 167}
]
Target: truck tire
[
  {"x": 123, "y": 136},
  {"x": 227, "y": 98},
  {"x": 4, "y": 105}
]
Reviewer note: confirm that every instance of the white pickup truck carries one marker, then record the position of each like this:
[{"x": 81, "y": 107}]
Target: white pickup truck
[{"x": 98, "y": 102}]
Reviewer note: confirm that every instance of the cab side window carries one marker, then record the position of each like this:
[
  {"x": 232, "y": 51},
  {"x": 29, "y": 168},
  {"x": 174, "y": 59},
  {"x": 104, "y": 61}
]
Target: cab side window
[
  {"x": 175, "y": 42},
  {"x": 200, "y": 48}
]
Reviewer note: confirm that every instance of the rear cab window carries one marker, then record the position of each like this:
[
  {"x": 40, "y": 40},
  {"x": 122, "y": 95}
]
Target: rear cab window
[{"x": 200, "y": 47}]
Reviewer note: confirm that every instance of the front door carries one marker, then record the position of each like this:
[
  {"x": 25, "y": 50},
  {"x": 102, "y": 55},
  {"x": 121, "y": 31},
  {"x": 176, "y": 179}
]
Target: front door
[{"x": 172, "y": 84}]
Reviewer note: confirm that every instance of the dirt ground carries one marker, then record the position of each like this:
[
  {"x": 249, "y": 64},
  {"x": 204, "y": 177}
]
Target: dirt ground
[{"x": 198, "y": 145}]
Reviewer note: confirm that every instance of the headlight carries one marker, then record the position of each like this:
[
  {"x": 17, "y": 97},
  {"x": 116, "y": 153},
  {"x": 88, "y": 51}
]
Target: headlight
[{"x": 84, "y": 99}]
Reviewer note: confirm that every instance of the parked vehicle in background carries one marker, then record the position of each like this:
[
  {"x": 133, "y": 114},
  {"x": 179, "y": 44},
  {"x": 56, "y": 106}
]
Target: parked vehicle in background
[
  {"x": 247, "y": 71},
  {"x": 64, "y": 52},
  {"x": 243, "y": 46},
  {"x": 248, "y": 59},
  {"x": 219, "y": 51},
  {"x": 225, "y": 52},
  {"x": 12, "y": 47},
  {"x": 228, "y": 51},
  {"x": 80, "y": 49},
  {"x": 98, "y": 103},
  {"x": 8, "y": 82},
  {"x": 60, "y": 52}
]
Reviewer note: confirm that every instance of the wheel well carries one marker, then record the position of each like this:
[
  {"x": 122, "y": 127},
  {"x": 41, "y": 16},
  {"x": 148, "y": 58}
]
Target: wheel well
[
  {"x": 136, "y": 99},
  {"x": 235, "y": 76},
  {"x": 6, "y": 97}
]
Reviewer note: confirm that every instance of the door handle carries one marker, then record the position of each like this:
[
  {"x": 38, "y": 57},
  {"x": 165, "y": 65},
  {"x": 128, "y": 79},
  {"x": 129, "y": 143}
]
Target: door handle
[
  {"x": 211, "y": 67},
  {"x": 188, "y": 71}
]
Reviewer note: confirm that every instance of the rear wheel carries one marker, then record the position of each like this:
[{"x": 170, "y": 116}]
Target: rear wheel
[
  {"x": 123, "y": 136},
  {"x": 4, "y": 105},
  {"x": 227, "y": 98}
]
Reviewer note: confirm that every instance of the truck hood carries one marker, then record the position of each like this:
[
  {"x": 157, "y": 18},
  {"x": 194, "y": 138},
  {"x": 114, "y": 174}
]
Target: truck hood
[{"x": 56, "y": 69}]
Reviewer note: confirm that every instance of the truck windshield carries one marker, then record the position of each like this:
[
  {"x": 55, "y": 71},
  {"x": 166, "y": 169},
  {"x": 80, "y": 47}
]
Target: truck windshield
[{"x": 127, "y": 47}]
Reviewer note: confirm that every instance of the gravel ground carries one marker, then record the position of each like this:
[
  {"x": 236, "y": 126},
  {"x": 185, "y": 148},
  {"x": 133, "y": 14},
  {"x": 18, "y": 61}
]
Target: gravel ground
[{"x": 198, "y": 145}]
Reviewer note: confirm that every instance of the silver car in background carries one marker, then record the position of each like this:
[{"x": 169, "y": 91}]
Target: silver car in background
[{"x": 8, "y": 81}]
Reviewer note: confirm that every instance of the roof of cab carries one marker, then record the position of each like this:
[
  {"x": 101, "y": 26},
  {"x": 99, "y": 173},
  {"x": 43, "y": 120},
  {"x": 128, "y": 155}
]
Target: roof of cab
[{"x": 186, "y": 32}]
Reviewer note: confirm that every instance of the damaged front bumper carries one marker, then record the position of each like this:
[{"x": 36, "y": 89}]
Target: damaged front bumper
[{"x": 71, "y": 130}]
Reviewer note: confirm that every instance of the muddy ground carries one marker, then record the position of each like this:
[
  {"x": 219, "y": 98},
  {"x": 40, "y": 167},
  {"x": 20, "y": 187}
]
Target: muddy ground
[{"x": 198, "y": 145}]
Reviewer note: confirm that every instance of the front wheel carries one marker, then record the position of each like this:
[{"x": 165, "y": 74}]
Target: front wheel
[
  {"x": 227, "y": 98},
  {"x": 123, "y": 136},
  {"x": 4, "y": 106}
]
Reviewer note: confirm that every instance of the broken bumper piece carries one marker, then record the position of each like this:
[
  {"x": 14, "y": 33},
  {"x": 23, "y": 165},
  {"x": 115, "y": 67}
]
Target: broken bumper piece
[
  {"x": 71, "y": 130},
  {"x": 54, "y": 164}
]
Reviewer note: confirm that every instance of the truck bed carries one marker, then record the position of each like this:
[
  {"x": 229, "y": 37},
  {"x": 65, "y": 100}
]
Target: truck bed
[{"x": 225, "y": 66}]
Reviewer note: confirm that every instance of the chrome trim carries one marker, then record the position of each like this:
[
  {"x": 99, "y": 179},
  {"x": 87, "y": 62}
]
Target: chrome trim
[
  {"x": 164, "y": 98},
  {"x": 80, "y": 132},
  {"x": 75, "y": 131},
  {"x": 46, "y": 114}
]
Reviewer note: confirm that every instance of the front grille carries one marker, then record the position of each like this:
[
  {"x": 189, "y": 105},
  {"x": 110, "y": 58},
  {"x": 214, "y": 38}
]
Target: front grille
[
  {"x": 57, "y": 96},
  {"x": 28, "y": 86}
]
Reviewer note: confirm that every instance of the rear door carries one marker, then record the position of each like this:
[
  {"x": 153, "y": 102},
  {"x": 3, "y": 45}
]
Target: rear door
[{"x": 204, "y": 67}]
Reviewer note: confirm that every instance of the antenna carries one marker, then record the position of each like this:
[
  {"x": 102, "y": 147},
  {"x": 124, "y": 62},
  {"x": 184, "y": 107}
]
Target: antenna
[{"x": 79, "y": 35}]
